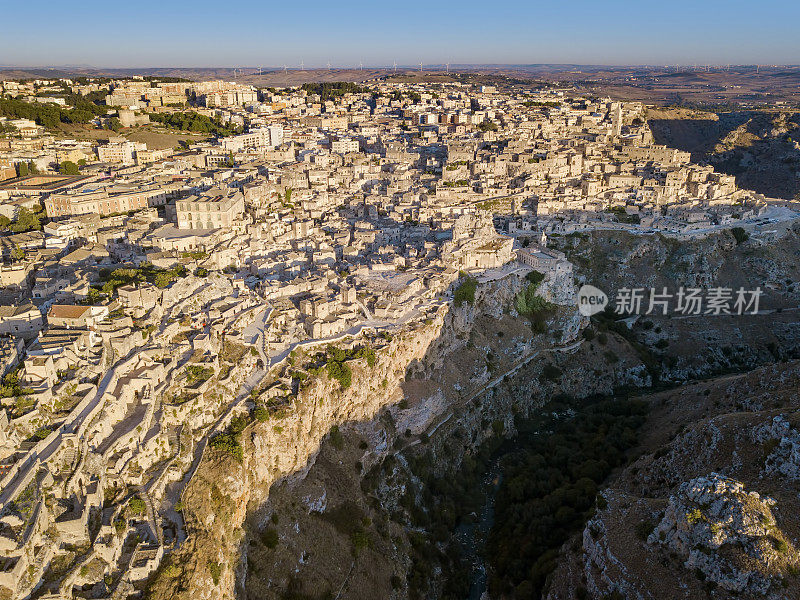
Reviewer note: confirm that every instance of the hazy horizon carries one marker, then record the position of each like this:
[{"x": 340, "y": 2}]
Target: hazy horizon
[
  {"x": 205, "y": 34},
  {"x": 426, "y": 66}
]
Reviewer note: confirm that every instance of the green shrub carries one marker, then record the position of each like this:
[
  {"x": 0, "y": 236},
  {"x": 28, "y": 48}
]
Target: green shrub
[
  {"x": 198, "y": 374},
  {"x": 361, "y": 540},
  {"x": 216, "y": 571},
  {"x": 550, "y": 373},
  {"x": 270, "y": 538},
  {"x": 780, "y": 545},
  {"x": 340, "y": 372},
  {"x": 740, "y": 235},
  {"x": 644, "y": 529},
  {"x": 227, "y": 443},
  {"x": 529, "y": 304},
  {"x": 260, "y": 413},
  {"x": 137, "y": 506},
  {"x": 535, "y": 278},
  {"x": 336, "y": 438},
  {"x": 465, "y": 292}
]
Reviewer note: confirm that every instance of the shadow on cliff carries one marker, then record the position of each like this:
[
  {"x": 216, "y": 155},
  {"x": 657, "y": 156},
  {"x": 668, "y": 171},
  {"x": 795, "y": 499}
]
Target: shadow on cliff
[
  {"x": 760, "y": 161},
  {"x": 301, "y": 513},
  {"x": 697, "y": 136},
  {"x": 253, "y": 513}
]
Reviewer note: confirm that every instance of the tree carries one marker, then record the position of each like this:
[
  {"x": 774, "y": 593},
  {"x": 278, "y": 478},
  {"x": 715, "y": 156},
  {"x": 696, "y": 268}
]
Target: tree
[
  {"x": 22, "y": 169},
  {"x": 18, "y": 253},
  {"x": 4, "y": 222},
  {"x": 465, "y": 292},
  {"x": 68, "y": 168},
  {"x": 740, "y": 234},
  {"x": 137, "y": 506},
  {"x": 26, "y": 221}
]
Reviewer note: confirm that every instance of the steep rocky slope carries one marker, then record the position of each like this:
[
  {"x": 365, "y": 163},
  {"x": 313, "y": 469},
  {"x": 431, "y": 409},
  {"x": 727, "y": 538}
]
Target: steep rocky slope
[
  {"x": 349, "y": 493},
  {"x": 419, "y": 377},
  {"x": 709, "y": 508}
]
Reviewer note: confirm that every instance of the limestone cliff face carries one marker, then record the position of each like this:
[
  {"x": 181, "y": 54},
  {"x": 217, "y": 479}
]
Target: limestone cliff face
[
  {"x": 406, "y": 380},
  {"x": 218, "y": 498}
]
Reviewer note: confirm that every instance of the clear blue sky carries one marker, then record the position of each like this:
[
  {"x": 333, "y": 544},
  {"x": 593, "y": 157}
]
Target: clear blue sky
[{"x": 150, "y": 33}]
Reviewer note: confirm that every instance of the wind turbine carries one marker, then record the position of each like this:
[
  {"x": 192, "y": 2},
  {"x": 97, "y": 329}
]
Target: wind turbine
[
  {"x": 420, "y": 67},
  {"x": 329, "y": 66},
  {"x": 447, "y": 68},
  {"x": 360, "y": 65},
  {"x": 395, "y": 66},
  {"x": 284, "y": 67},
  {"x": 302, "y": 66},
  {"x": 259, "y": 71}
]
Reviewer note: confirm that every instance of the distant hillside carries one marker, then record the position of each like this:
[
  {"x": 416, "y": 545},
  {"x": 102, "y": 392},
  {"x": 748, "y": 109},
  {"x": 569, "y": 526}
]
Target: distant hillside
[{"x": 762, "y": 149}]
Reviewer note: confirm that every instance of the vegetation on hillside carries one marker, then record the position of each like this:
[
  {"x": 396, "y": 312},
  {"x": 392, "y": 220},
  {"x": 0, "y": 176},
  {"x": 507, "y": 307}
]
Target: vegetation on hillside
[
  {"x": 144, "y": 272},
  {"x": 333, "y": 90},
  {"x": 49, "y": 115},
  {"x": 530, "y": 304},
  {"x": 465, "y": 292},
  {"x": 549, "y": 487},
  {"x": 27, "y": 220},
  {"x": 740, "y": 235},
  {"x": 550, "y": 472},
  {"x": 192, "y": 121}
]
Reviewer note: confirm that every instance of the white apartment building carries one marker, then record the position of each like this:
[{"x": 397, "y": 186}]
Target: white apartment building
[
  {"x": 257, "y": 139},
  {"x": 120, "y": 152},
  {"x": 214, "y": 209},
  {"x": 343, "y": 146}
]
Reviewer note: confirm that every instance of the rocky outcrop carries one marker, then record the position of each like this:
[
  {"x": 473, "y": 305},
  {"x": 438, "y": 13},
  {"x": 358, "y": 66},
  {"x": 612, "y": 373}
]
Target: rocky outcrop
[
  {"x": 784, "y": 459},
  {"x": 726, "y": 533}
]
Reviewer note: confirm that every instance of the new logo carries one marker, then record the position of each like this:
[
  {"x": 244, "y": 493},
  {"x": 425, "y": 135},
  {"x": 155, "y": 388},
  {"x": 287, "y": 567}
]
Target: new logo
[{"x": 591, "y": 300}]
